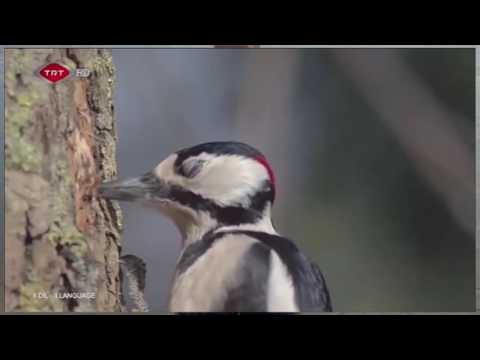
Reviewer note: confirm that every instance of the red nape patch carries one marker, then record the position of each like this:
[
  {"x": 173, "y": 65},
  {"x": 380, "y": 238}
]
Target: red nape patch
[{"x": 262, "y": 160}]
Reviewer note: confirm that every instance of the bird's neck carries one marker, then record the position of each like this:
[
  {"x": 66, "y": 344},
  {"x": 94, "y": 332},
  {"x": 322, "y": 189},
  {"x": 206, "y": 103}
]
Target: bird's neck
[
  {"x": 194, "y": 228},
  {"x": 263, "y": 224}
]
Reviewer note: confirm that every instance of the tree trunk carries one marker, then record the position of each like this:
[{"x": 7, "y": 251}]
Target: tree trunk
[{"x": 62, "y": 243}]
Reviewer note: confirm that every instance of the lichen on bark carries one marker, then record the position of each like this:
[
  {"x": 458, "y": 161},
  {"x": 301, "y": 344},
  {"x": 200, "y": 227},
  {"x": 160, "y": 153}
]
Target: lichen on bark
[{"x": 59, "y": 144}]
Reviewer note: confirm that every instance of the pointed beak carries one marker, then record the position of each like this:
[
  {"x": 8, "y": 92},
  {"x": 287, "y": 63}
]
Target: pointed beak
[{"x": 146, "y": 187}]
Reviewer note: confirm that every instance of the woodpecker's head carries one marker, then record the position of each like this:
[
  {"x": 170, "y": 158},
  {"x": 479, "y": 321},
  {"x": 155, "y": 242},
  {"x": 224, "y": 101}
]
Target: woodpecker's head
[{"x": 208, "y": 185}]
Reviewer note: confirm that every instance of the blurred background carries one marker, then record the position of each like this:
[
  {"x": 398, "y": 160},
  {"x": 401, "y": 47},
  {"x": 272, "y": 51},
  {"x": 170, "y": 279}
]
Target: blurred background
[{"x": 373, "y": 150}]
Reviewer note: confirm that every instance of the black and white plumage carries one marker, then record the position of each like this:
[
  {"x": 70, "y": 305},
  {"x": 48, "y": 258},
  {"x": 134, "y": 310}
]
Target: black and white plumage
[{"x": 220, "y": 196}]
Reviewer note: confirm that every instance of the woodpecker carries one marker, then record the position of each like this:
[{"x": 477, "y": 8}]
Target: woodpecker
[{"x": 220, "y": 197}]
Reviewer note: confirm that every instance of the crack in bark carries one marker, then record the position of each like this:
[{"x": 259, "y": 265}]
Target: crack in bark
[
  {"x": 29, "y": 238},
  {"x": 70, "y": 53},
  {"x": 28, "y": 235},
  {"x": 70, "y": 302}
]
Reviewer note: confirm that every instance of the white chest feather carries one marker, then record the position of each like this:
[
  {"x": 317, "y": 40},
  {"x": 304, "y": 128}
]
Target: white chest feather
[{"x": 204, "y": 285}]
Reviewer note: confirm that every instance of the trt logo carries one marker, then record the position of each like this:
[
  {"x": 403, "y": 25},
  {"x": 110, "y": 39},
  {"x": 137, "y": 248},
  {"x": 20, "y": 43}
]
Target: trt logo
[{"x": 54, "y": 72}]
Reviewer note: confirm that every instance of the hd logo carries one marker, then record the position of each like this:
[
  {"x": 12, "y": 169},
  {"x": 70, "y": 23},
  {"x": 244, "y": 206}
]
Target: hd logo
[{"x": 55, "y": 72}]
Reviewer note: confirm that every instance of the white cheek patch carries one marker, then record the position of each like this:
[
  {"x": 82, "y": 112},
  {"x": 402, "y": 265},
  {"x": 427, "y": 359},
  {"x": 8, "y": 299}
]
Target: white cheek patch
[{"x": 227, "y": 179}]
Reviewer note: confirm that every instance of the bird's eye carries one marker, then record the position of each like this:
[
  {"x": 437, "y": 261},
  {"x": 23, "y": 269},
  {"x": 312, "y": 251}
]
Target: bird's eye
[{"x": 191, "y": 169}]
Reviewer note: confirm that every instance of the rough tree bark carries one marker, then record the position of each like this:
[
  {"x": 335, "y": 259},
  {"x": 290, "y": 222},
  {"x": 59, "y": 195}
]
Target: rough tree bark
[{"x": 59, "y": 144}]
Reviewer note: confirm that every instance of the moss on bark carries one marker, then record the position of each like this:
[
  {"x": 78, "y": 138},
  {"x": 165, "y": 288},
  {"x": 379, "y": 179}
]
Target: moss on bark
[{"x": 60, "y": 143}]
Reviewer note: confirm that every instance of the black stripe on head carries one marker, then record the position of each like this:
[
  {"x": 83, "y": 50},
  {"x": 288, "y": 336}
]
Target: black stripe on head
[{"x": 226, "y": 215}]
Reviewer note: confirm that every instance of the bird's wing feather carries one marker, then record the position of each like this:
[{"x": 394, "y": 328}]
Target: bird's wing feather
[
  {"x": 318, "y": 291},
  {"x": 312, "y": 294},
  {"x": 248, "y": 291}
]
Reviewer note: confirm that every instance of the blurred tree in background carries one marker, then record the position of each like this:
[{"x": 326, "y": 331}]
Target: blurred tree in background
[{"x": 395, "y": 242}]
